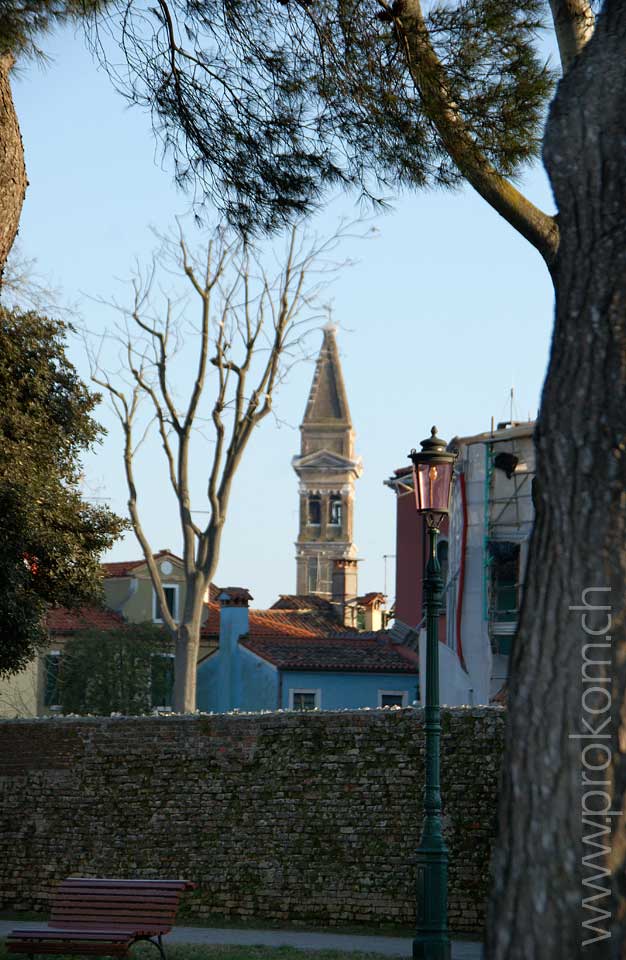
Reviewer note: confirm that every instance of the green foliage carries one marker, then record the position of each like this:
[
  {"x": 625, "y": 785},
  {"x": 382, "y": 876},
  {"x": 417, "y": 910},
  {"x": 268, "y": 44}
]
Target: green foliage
[
  {"x": 179, "y": 951},
  {"x": 115, "y": 671},
  {"x": 50, "y": 539},
  {"x": 270, "y": 102},
  {"x": 23, "y": 22}
]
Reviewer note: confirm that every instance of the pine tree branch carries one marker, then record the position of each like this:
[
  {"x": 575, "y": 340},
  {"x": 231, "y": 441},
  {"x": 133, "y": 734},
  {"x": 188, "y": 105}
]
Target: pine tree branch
[
  {"x": 429, "y": 76},
  {"x": 574, "y": 23}
]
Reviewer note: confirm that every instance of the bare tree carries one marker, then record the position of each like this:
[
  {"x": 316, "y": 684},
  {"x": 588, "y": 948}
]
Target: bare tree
[
  {"x": 24, "y": 287},
  {"x": 250, "y": 330},
  {"x": 400, "y": 92}
]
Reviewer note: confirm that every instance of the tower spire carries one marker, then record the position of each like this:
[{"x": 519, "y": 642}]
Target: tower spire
[
  {"x": 327, "y": 469},
  {"x": 328, "y": 402}
]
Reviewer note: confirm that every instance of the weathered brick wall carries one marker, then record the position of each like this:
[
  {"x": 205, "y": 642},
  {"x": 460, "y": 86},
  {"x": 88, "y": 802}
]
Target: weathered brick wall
[{"x": 311, "y": 818}]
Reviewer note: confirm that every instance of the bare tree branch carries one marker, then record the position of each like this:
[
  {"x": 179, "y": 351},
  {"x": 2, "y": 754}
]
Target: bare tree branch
[{"x": 238, "y": 358}]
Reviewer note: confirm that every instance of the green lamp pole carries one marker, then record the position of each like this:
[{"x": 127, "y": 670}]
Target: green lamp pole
[{"x": 432, "y": 481}]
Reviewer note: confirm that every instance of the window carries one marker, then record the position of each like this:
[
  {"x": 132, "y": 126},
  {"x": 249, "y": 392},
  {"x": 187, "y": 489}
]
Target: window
[
  {"x": 162, "y": 680},
  {"x": 304, "y": 699},
  {"x": 393, "y": 698},
  {"x": 501, "y": 644},
  {"x": 171, "y": 598},
  {"x": 335, "y": 510},
  {"x": 314, "y": 515},
  {"x": 312, "y": 566},
  {"x": 52, "y": 663},
  {"x": 504, "y": 561}
]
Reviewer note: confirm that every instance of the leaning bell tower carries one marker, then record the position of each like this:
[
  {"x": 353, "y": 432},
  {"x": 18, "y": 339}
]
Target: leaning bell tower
[{"x": 327, "y": 470}]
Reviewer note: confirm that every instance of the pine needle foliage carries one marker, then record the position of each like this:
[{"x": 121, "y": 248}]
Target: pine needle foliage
[
  {"x": 24, "y": 22},
  {"x": 266, "y": 104}
]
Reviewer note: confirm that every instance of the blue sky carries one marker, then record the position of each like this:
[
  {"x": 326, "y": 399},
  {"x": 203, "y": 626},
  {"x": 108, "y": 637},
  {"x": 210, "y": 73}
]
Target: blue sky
[{"x": 443, "y": 312}]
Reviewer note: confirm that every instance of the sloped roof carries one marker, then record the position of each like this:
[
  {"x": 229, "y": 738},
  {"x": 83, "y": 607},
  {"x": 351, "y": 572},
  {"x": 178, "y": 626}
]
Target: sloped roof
[
  {"x": 61, "y": 620},
  {"x": 278, "y": 623},
  {"x": 302, "y": 633},
  {"x": 303, "y": 601},
  {"x": 356, "y": 653},
  {"x": 122, "y": 568},
  {"x": 233, "y": 593},
  {"x": 369, "y": 599}
]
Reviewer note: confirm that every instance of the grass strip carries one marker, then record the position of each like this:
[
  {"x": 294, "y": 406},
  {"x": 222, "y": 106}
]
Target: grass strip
[{"x": 179, "y": 951}]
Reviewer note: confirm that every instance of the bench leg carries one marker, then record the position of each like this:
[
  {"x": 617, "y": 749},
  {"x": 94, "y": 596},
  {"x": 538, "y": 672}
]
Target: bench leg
[{"x": 158, "y": 943}]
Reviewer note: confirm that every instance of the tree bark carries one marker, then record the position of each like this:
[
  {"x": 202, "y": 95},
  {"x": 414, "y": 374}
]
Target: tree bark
[
  {"x": 578, "y": 543},
  {"x": 573, "y": 25},
  {"x": 13, "y": 180},
  {"x": 187, "y": 647}
]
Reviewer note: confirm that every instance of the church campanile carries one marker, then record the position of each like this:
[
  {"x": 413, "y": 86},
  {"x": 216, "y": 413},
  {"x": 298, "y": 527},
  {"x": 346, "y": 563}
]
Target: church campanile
[{"x": 327, "y": 469}]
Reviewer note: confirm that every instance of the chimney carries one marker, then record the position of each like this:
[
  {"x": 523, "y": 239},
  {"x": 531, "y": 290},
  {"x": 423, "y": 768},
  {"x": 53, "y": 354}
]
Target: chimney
[
  {"x": 234, "y": 624},
  {"x": 344, "y": 590},
  {"x": 372, "y": 606}
]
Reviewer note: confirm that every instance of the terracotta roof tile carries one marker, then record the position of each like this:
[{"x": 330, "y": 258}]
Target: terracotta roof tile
[
  {"x": 369, "y": 599},
  {"x": 356, "y": 653},
  {"x": 61, "y": 620},
  {"x": 297, "y": 639},
  {"x": 234, "y": 593},
  {"x": 121, "y": 568},
  {"x": 278, "y": 623},
  {"x": 303, "y": 601}
]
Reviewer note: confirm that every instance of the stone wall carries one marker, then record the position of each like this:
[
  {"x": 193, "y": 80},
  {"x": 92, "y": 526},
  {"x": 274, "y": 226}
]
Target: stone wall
[{"x": 305, "y": 818}]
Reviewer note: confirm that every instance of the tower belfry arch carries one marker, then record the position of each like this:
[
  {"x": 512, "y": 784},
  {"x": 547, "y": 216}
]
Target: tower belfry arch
[{"x": 327, "y": 468}]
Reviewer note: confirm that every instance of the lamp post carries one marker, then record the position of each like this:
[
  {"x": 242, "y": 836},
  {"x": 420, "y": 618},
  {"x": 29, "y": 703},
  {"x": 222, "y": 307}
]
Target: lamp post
[{"x": 432, "y": 482}]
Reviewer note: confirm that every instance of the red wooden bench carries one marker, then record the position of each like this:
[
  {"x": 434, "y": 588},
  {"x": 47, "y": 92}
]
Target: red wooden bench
[{"x": 103, "y": 917}]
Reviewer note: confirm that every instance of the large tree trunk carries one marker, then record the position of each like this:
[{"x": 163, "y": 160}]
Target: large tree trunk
[
  {"x": 13, "y": 181},
  {"x": 555, "y": 786}
]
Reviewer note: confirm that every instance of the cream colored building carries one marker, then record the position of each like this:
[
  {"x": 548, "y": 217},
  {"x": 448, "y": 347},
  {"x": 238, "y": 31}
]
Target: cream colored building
[
  {"x": 129, "y": 598},
  {"x": 19, "y": 694}
]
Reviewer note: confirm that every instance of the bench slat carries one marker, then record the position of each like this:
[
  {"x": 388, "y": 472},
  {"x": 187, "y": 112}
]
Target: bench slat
[
  {"x": 133, "y": 884},
  {"x": 106, "y": 949},
  {"x": 103, "y": 893},
  {"x": 148, "y": 928},
  {"x": 124, "y": 914},
  {"x": 134, "y": 906},
  {"x": 102, "y": 917},
  {"x": 110, "y": 906},
  {"x": 43, "y": 933}
]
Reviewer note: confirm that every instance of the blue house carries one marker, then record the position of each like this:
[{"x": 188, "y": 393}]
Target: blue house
[{"x": 300, "y": 660}]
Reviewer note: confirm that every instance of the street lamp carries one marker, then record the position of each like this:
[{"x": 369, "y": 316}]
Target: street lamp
[{"x": 432, "y": 483}]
